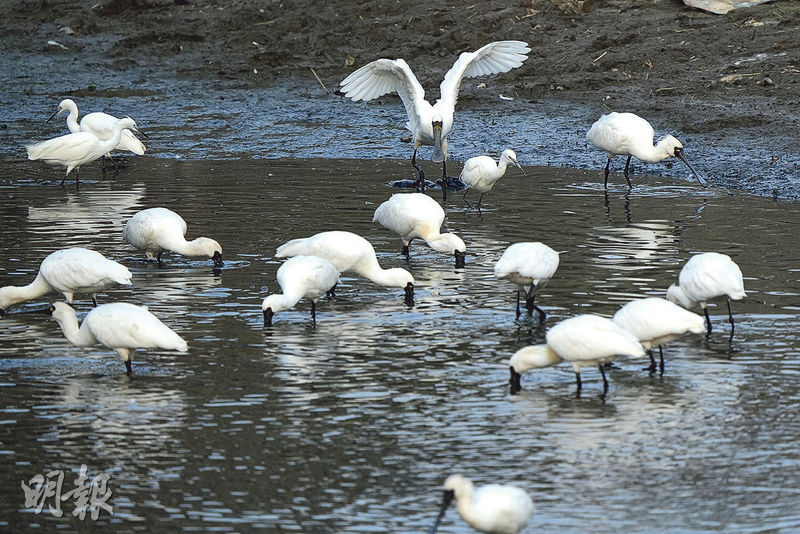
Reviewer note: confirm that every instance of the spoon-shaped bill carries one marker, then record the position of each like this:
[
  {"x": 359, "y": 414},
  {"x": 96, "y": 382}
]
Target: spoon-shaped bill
[
  {"x": 448, "y": 498},
  {"x": 438, "y": 155},
  {"x": 680, "y": 156},
  {"x": 520, "y": 167}
]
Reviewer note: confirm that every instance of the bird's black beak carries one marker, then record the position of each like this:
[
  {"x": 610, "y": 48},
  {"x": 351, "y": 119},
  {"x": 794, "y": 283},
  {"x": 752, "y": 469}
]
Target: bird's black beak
[
  {"x": 51, "y": 117},
  {"x": 438, "y": 154},
  {"x": 520, "y": 168},
  {"x": 460, "y": 259},
  {"x": 268, "y": 314},
  {"x": 446, "y": 500},
  {"x": 139, "y": 130},
  {"x": 409, "y": 294},
  {"x": 514, "y": 381},
  {"x": 680, "y": 156},
  {"x": 217, "y": 257}
]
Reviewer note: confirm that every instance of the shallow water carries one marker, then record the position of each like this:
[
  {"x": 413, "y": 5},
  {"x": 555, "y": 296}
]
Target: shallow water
[{"x": 353, "y": 424}]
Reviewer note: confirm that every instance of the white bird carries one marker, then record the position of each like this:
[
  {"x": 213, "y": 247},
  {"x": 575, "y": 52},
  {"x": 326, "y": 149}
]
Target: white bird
[
  {"x": 68, "y": 271},
  {"x": 300, "y": 277},
  {"x": 156, "y": 230},
  {"x": 349, "y": 252},
  {"x": 101, "y": 124},
  {"x": 528, "y": 265},
  {"x": 705, "y": 277},
  {"x": 481, "y": 173},
  {"x": 582, "y": 340},
  {"x": 119, "y": 326},
  {"x": 430, "y": 124},
  {"x": 418, "y": 216},
  {"x": 493, "y": 508},
  {"x": 75, "y": 149},
  {"x": 629, "y": 135},
  {"x": 656, "y": 321}
]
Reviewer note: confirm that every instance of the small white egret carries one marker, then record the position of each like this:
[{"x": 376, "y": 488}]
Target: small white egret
[
  {"x": 528, "y": 265},
  {"x": 75, "y": 149},
  {"x": 102, "y": 125},
  {"x": 629, "y": 135},
  {"x": 349, "y": 252},
  {"x": 300, "y": 277},
  {"x": 705, "y": 277},
  {"x": 68, "y": 271},
  {"x": 416, "y": 215},
  {"x": 583, "y": 340},
  {"x": 156, "y": 230},
  {"x": 430, "y": 124},
  {"x": 493, "y": 508},
  {"x": 481, "y": 173},
  {"x": 656, "y": 321},
  {"x": 119, "y": 326}
]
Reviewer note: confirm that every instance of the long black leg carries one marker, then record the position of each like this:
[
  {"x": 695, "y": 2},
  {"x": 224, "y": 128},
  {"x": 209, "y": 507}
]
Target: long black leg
[
  {"x": 479, "y": 201},
  {"x": 444, "y": 180},
  {"x": 661, "y": 361},
  {"x": 605, "y": 182},
  {"x": 578, "y": 383},
  {"x": 652, "y": 368},
  {"x": 708, "y": 321},
  {"x": 420, "y": 183},
  {"x": 94, "y": 301},
  {"x": 627, "y": 164},
  {"x": 518, "y": 312},
  {"x": 605, "y": 380},
  {"x": 467, "y": 201},
  {"x": 404, "y": 251},
  {"x": 331, "y": 293},
  {"x": 730, "y": 318},
  {"x": 314, "y": 312}
]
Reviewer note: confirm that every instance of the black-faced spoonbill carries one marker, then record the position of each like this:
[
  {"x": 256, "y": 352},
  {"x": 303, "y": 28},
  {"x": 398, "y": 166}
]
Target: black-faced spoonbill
[
  {"x": 119, "y": 326},
  {"x": 630, "y": 135},
  {"x": 430, "y": 124},
  {"x": 481, "y": 173},
  {"x": 349, "y": 252},
  {"x": 68, "y": 271},
  {"x": 529, "y": 266},
  {"x": 656, "y": 321},
  {"x": 492, "y": 508},
  {"x": 583, "y": 340},
  {"x": 300, "y": 277},
  {"x": 156, "y": 230},
  {"x": 101, "y": 124},
  {"x": 705, "y": 277},
  {"x": 418, "y": 216}
]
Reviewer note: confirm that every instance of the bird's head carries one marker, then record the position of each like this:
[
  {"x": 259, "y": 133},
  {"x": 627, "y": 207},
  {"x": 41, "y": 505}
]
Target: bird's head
[
  {"x": 62, "y": 311},
  {"x": 272, "y": 305},
  {"x": 65, "y": 105},
  {"x": 511, "y": 158}
]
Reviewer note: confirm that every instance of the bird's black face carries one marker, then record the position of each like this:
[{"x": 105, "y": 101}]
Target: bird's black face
[
  {"x": 460, "y": 259},
  {"x": 409, "y": 294},
  {"x": 268, "y": 314},
  {"x": 217, "y": 258},
  {"x": 514, "y": 381}
]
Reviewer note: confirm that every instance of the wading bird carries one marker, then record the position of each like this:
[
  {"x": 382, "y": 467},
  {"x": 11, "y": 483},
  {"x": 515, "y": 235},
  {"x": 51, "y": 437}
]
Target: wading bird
[
  {"x": 156, "y": 230},
  {"x": 481, "y": 173},
  {"x": 529, "y": 266},
  {"x": 629, "y": 135},
  {"x": 68, "y": 271},
  {"x": 705, "y": 277},
  {"x": 583, "y": 340},
  {"x": 119, "y": 326},
  {"x": 418, "y": 216},
  {"x": 75, "y": 149},
  {"x": 430, "y": 124},
  {"x": 655, "y": 322},
  {"x": 300, "y": 277},
  {"x": 492, "y": 508},
  {"x": 349, "y": 252}
]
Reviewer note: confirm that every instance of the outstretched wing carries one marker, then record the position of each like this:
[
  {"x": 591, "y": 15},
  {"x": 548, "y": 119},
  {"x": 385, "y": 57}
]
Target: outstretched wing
[
  {"x": 496, "y": 57},
  {"x": 384, "y": 76}
]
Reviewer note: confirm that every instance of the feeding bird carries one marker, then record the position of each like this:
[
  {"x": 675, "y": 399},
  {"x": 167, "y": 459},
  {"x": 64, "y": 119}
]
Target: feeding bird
[
  {"x": 629, "y": 135},
  {"x": 705, "y": 277},
  {"x": 493, "y": 508},
  {"x": 656, "y": 321},
  {"x": 528, "y": 265},
  {"x": 481, "y": 173},
  {"x": 119, "y": 326},
  {"x": 68, "y": 271},
  {"x": 418, "y": 216},
  {"x": 430, "y": 124},
  {"x": 75, "y": 149},
  {"x": 349, "y": 252},
  {"x": 300, "y": 277},
  {"x": 583, "y": 340},
  {"x": 156, "y": 230}
]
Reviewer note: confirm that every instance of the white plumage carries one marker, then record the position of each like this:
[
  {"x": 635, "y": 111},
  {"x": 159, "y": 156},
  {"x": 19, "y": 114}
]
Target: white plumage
[
  {"x": 119, "y": 326},
  {"x": 705, "y": 277},
  {"x": 101, "y": 124},
  {"x": 494, "y": 508},
  {"x": 430, "y": 124},
  {"x": 418, "y": 216},
  {"x": 68, "y": 271},
  {"x": 656, "y": 321},
  {"x": 583, "y": 340},
  {"x": 349, "y": 252},
  {"x": 529, "y": 265},
  {"x": 156, "y": 230},
  {"x": 300, "y": 277},
  {"x": 481, "y": 173},
  {"x": 629, "y": 135}
]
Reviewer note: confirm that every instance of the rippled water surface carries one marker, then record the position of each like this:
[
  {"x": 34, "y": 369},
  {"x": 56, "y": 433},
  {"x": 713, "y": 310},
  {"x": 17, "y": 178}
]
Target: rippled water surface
[{"x": 353, "y": 424}]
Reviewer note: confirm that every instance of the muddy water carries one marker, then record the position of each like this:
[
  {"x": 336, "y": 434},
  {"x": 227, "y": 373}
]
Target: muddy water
[{"x": 351, "y": 425}]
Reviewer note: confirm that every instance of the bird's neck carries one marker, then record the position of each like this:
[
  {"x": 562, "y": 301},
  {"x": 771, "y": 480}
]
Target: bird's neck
[
  {"x": 78, "y": 336},
  {"x": 12, "y": 294},
  {"x": 72, "y": 121},
  {"x": 651, "y": 153}
]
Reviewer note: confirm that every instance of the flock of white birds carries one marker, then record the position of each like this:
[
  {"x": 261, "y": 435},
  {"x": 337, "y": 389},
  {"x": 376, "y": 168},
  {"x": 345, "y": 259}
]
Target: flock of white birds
[{"x": 315, "y": 263}]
